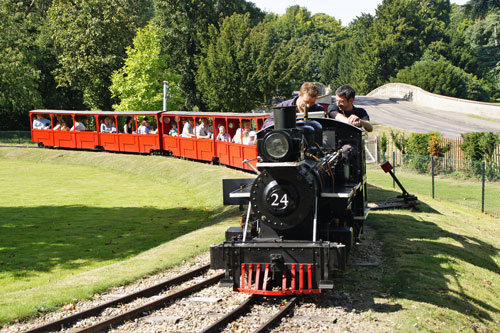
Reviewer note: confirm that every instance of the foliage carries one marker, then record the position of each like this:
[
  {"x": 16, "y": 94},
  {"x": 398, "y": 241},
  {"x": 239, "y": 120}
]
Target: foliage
[
  {"x": 18, "y": 72},
  {"x": 484, "y": 42},
  {"x": 397, "y": 38},
  {"x": 479, "y": 146},
  {"x": 441, "y": 77},
  {"x": 383, "y": 145},
  {"x": 90, "y": 37},
  {"x": 436, "y": 148},
  {"x": 235, "y": 71},
  {"x": 316, "y": 32},
  {"x": 480, "y": 8},
  {"x": 418, "y": 157},
  {"x": 400, "y": 141},
  {"x": 184, "y": 25},
  {"x": 138, "y": 84},
  {"x": 344, "y": 55}
]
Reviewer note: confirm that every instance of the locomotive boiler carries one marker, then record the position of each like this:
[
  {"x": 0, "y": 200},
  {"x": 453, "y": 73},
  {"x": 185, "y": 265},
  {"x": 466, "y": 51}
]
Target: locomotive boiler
[{"x": 306, "y": 208}]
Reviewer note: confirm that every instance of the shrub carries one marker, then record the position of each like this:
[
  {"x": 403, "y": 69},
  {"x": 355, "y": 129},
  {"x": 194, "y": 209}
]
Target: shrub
[{"x": 383, "y": 145}]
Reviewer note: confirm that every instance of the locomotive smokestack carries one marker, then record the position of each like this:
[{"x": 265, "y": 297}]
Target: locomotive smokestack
[{"x": 285, "y": 117}]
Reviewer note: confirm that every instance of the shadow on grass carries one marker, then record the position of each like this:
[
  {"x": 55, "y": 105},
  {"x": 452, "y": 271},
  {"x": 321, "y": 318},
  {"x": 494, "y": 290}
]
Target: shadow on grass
[
  {"x": 40, "y": 238},
  {"x": 422, "y": 260}
]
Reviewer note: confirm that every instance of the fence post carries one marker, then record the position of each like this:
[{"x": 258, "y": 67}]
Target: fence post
[
  {"x": 482, "y": 196},
  {"x": 432, "y": 173},
  {"x": 394, "y": 168}
]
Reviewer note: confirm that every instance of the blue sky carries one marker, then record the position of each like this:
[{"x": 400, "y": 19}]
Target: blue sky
[{"x": 346, "y": 11}]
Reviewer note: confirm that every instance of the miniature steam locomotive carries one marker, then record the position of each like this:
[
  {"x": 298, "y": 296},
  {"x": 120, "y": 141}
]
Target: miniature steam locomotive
[{"x": 306, "y": 208}]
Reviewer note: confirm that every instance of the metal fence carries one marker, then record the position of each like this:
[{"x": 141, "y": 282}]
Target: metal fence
[
  {"x": 468, "y": 183},
  {"x": 15, "y": 137}
]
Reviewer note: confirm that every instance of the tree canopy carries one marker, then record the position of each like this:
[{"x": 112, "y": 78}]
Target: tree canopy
[
  {"x": 228, "y": 55},
  {"x": 138, "y": 84}
]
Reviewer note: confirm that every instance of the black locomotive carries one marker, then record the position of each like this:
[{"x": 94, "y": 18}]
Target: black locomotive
[{"x": 305, "y": 210}]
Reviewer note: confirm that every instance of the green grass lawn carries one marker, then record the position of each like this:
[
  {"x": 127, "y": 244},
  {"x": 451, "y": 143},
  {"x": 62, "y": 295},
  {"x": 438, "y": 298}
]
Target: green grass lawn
[
  {"x": 466, "y": 192},
  {"x": 72, "y": 223},
  {"x": 440, "y": 270}
]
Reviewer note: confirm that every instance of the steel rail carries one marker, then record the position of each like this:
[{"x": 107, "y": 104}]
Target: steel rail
[
  {"x": 277, "y": 317},
  {"x": 63, "y": 322},
  {"x": 153, "y": 305},
  {"x": 244, "y": 307}
]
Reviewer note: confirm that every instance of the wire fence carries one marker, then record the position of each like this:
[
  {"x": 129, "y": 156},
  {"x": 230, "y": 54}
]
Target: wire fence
[
  {"x": 16, "y": 138},
  {"x": 468, "y": 183}
]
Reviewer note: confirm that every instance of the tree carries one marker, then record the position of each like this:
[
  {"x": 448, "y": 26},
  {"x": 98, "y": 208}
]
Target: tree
[
  {"x": 242, "y": 67},
  {"x": 18, "y": 73},
  {"x": 90, "y": 37},
  {"x": 484, "y": 40},
  {"x": 224, "y": 71},
  {"x": 138, "y": 83},
  {"x": 441, "y": 77},
  {"x": 480, "y": 8},
  {"x": 184, "y": 25},
  {"x": 318, "y": 32}
]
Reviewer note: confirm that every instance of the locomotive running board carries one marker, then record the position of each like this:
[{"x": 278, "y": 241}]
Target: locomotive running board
[{"x": 236, "y": 191}]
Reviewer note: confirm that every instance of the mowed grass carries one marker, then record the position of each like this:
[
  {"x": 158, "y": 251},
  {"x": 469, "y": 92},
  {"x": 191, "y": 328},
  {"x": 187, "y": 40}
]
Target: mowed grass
[
  {"x": 466, "y": 192},
  {"x": 73, "y": 223},
  {"x": 440, "y": 269}
]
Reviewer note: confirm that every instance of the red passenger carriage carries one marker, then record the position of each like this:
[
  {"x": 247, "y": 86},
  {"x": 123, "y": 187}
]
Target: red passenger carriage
[{"x": 205, "y": 149}]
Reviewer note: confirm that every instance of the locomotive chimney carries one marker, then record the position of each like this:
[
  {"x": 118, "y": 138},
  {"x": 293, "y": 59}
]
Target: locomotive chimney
[{"x": 285, "y": 117}]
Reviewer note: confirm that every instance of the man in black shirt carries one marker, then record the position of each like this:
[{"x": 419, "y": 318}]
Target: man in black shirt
[{"x": 345, "y": 111}]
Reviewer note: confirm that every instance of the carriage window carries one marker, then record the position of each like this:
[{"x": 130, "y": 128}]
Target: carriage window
[
  {"x": 170, "y": 126},
  {"x": 186, "y": 127},
  {"x": 147, "y": 125},
  {"x": 204, "y": 128},
  {"x": 62, "y": 122},
  {"x": 41, "y": 121},
  {"x": 127, "y": 124},
  {"x": 84, "y": 123}
]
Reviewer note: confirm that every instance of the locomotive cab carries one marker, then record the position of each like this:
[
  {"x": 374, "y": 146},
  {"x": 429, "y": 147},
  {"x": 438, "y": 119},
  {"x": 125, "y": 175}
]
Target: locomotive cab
[{"x": 302, "y": 208}]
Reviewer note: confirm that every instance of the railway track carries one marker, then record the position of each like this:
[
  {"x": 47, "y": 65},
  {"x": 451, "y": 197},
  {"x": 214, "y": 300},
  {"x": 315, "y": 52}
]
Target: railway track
[
  {"x": 136, "y": 312},
  {"x": 244, "y": 308},
  {"x": 159, "y": 302}
]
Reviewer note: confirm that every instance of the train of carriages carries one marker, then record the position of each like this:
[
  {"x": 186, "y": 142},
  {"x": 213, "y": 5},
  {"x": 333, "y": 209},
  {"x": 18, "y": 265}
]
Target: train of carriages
[{"x": 305, "y": 208}]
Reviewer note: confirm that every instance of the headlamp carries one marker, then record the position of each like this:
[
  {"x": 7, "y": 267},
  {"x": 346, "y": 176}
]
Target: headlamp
[{"x": 277, "y": 145}]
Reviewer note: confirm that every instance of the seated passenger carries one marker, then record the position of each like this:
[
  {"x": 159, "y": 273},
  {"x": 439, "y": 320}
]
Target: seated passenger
[
  {"x": 106, "y": 125},
  {"x": 173, "y": 131},
  {"x": 113, "y": 125},
  {"x": 204, "y": 131},
  {"x": 79, "y": 126},
  {"x": 59, "y": 123},
  {"x": 223, "y": 136},
  {"x": 246, "y": 126},
  {"x": 249, "y": 138},
  {"x": 64, "y": 127},
  {"x": 41, "y": 122},
  {"x": 188, "y": 129},
  {"x": 145, "y": 128},
  {"x": 129, "y": 125}
]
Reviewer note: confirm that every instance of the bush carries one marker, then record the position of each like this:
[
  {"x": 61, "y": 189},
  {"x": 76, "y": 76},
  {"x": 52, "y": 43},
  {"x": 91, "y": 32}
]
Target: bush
[
  {"x": 479, "y": 146},
  {"x": 441, "y": 77}
]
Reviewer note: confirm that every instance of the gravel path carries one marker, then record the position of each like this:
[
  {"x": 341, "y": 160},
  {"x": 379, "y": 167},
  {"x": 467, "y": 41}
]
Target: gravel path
[{"x": 352, "y": 306}]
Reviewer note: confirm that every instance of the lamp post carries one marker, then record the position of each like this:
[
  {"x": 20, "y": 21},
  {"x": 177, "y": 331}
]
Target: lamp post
[{"x": 165, "y": 86}]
